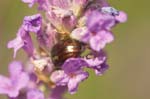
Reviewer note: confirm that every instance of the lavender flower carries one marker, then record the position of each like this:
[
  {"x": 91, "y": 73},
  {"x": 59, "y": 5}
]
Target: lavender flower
[
  {"x": 97, "y": 62},
  {"x": 57, "y": 63},
  {"x": 96, "y": 31},
  {"x": 71, "y": 75},
  {"x": 23, "y": 39},
  {"x": 18, "y": 80},
  {"x": 32, "y": 23}
]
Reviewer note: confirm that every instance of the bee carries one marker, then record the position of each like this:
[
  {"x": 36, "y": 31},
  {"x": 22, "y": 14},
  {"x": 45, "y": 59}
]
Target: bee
[{"x": 64, "y": 49}]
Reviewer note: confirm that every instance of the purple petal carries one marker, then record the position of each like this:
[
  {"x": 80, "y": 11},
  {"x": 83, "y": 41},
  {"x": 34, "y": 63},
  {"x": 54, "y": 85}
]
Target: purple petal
[
  {"x": 93, "y": 21},
  {"x": 32, "y": 23},
  {"x": 74, "y": 81},
  {"x": 81, "y": 2},
  {"x": 57, "y": 92},
  {"x": 99, "y": 70},
  {"x": 47, "y": 38},
  {"x": 99, "y": 41},
  {"x": 35, "y": 94},
  {"x": 18, "y": 80},
  {"x": 103, "y": 3},
  {"x": 94, "y": 62},
  {"x": 15, "y": 68},
  {"x": 59, "y": 77},
  {"x": 97, "y": 62},
  {"x": 63, "y": 20},
  {"x": 21, "y": 81},
  {"x": 23, "y": 40},
  {"x": 6, "y": 87},
  {"x": 61, "y": 3},
  {"x": 28, "y": 45},
  {"x": 22, "y": 95},
  {"x": 73, "y": 65},
  {"x": 16, "y": 44},
  {"x": 98, "y": 21},
  {"x": 80, "y": 34},
  {"x": 122, "y": 17},
  {"x": 97, "y": 59},
  {"x": 69, "y": 22}
]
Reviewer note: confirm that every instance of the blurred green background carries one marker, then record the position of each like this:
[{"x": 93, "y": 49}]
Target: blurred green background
[{"x": 129, "y": 55}]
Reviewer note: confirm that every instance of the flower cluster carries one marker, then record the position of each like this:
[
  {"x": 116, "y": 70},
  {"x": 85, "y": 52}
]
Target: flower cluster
[{"x": 70, "y": 36}]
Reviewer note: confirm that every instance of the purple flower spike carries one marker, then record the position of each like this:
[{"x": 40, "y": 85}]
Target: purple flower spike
[
  {"x": 82, "y": 29},
  {"x": 18, "y": 80}
]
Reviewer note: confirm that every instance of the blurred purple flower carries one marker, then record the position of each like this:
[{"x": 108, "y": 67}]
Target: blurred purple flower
[
  {"x": 57, "y": 92},
  {"x": 18, "y": 80},
  {"x": 22, "y": 95},
  {"x": 35, "y": 94}
]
